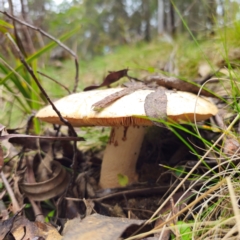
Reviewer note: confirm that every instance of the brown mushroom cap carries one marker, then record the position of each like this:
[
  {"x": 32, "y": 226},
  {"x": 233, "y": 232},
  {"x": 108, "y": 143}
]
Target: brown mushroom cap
[{"x": 77, "y": 108}]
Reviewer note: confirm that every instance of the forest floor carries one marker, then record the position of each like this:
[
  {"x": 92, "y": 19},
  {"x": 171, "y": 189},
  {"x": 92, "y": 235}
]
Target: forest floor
[{"x": 188, "y": 175}]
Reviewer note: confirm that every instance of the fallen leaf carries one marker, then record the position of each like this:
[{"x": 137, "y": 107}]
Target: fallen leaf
[
  {"x": 97, "y": 227},
  {"x": 155, "y": 105},
  {"x": 22, "y": 229},
  {"x": 109, "y": 79}
]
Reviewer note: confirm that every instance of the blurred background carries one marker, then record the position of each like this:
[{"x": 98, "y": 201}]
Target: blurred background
[
  {"x": 107, "y": 24},
  {"x": 173, "y": 37}
]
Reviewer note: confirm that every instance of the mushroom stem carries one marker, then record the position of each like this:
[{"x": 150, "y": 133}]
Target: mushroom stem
[{"x": 120, "y": 156}]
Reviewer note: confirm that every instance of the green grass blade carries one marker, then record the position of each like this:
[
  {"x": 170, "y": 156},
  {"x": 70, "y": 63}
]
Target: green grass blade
[{"x": 40, "y": 52}]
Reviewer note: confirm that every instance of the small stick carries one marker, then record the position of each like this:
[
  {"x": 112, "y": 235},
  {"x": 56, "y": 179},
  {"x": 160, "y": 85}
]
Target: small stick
[
  {"x": 43, "y": 74},
  {"x": 234, "y": 202},
  {"x": 21, "y": 153},
  {"x": 15, "y": 204}
]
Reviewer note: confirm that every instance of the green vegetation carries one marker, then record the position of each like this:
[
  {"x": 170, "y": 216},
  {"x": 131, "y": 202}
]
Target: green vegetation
[
  {"x": 147, "y": 58},
  {"x": 182, "y": 55}
]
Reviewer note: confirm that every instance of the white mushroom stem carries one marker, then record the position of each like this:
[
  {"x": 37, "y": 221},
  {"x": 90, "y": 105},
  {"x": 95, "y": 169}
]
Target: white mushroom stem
[{"x": 120, "y": 156}]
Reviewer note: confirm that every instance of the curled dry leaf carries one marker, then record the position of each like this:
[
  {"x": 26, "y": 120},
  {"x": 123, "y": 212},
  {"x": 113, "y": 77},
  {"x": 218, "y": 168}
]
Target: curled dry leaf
[{"x": 56, "y": 185}]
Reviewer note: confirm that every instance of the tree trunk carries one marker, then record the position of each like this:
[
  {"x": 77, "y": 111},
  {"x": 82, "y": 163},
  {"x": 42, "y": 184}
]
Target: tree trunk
[
  {"x": 172, "y": 19},
  {"x": 211, "y": 13},
  {"x": 160, "y": 17},
  {"x": 146, "y": 16}
]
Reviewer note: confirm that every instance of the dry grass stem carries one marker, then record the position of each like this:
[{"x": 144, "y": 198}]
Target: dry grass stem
[
  {"x": 214, "y": 188},
  {"x": 194, "y": 168},
  {"x": 234, "y": 203}
]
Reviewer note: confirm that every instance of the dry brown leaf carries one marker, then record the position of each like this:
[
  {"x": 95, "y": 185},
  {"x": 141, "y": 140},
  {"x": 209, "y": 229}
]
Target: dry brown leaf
[
  {"x": 155, "y": 105},
  {"x": 231, "y": 146},
  {"x": 22, "y": 229},
  {"x": 109, "y": 79},
  {"x": 97, "y": 227}
]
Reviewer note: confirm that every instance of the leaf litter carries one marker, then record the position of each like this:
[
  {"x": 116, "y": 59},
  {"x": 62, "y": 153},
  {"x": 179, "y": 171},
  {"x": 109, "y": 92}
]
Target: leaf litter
[{"x": 137, "y": 202}]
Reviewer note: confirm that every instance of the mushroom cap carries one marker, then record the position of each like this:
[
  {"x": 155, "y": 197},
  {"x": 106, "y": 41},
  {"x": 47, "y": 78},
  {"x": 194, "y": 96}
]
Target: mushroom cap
[{"x": 127, "y": 110}]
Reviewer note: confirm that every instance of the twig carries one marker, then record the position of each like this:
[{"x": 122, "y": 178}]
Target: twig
[
  {"x": 234, "y": 203},
  {"x": 230, "y": 232},
  {"x": 129, "y": 193},
  {"x": 37, "y": 211},
  {"x": 43, "y": 74},
  {"x": 22, "y": 151},
  {"x": 15, "y": 204},
  {"x": 53, "y": 39}
]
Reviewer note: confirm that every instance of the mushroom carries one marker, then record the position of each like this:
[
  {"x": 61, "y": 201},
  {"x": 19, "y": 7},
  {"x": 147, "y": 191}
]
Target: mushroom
[{"x": 128, "y": 120}]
